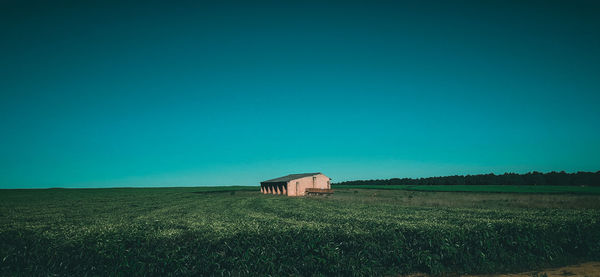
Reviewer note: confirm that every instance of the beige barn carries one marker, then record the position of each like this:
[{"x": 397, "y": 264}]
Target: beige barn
[{"x": 297, "y": 184}]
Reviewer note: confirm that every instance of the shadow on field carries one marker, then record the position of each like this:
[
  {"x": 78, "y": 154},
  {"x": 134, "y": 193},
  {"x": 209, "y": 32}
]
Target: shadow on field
[{"x": 328, "y": 252}]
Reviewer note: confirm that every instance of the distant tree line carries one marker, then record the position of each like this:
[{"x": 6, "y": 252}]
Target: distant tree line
[{"x": 532, "y": 178}]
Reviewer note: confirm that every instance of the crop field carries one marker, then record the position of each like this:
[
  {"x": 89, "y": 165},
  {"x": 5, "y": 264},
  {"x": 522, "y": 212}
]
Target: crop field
[
  {"x": 486, "y": 188},
  {"x": 232, "y": 231}
]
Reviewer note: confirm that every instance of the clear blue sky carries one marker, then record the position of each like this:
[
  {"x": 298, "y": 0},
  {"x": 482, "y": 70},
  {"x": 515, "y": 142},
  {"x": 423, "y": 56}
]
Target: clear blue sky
[{"x": 96, "y": 94}]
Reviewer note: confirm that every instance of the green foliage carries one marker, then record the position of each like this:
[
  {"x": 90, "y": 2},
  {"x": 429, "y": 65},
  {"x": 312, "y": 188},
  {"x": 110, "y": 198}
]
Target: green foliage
[
  {"x": 179, "y": 231},
  {"x": 484, "y": 188},
  {"x": 507, "y": 179}
]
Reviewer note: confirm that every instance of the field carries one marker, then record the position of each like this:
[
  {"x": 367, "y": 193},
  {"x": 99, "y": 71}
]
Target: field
[
  {"x": 228, "y": 231},
  {"x": 488, "y": 188}
]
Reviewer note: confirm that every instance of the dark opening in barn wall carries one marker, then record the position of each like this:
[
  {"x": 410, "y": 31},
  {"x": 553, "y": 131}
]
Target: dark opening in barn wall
[{"x": 274, "y": 188}]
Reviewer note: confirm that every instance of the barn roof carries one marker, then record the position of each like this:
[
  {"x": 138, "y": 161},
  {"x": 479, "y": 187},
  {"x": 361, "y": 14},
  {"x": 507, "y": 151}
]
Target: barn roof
[{"x": 290, "y": 177}]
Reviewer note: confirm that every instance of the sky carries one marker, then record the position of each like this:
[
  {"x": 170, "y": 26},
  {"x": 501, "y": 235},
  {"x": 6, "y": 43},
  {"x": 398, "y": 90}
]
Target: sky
[{"x": 197, "y": 93}]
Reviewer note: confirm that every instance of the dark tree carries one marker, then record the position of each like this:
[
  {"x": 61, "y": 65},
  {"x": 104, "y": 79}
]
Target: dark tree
[{"x": 532, "y": 178}]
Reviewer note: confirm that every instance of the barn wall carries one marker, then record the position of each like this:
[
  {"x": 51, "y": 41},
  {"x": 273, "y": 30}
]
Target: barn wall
[
  {"x": 307, "y": 182},
  {"x": 292, "y": 188}
]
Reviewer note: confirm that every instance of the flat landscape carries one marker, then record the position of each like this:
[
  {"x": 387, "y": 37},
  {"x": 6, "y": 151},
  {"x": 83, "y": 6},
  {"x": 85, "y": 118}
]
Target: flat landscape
[
  {"x": 487, "y": 188},
  {"x": 238, "y": 231}
]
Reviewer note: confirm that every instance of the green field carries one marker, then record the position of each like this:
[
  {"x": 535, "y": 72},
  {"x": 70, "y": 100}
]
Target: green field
[
  {"x": 226, "y": 231},
  {"x": 487, "y": 188}
]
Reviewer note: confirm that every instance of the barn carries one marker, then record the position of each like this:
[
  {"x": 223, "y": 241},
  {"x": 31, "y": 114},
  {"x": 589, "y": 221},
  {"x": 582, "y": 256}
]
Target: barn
[{"x": 297, "y": 184}]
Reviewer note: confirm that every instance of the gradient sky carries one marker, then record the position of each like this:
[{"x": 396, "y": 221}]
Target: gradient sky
[{"x": 96, "y": 94}]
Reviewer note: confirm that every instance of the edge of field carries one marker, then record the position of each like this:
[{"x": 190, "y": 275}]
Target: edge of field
[{"x": 481, "y": 188}]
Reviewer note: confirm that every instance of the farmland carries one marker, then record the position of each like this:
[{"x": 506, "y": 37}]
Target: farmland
[
  {"x": 485, "y": 188},
  {"x": 238, "y": 231}
]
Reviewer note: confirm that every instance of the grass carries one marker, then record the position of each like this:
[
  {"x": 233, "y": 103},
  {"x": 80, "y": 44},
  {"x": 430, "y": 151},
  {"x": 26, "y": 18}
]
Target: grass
[
  {"x": 487, "y": 188},
  {"x": 199, "y": 231}
]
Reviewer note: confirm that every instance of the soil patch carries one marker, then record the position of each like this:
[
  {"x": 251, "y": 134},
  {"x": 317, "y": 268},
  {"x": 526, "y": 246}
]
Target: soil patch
[{"x": 589, "y": 269}]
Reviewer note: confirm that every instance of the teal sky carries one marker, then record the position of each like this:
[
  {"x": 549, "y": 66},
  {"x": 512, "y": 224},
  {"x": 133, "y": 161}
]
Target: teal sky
[{"x": 97, "y": 94}]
